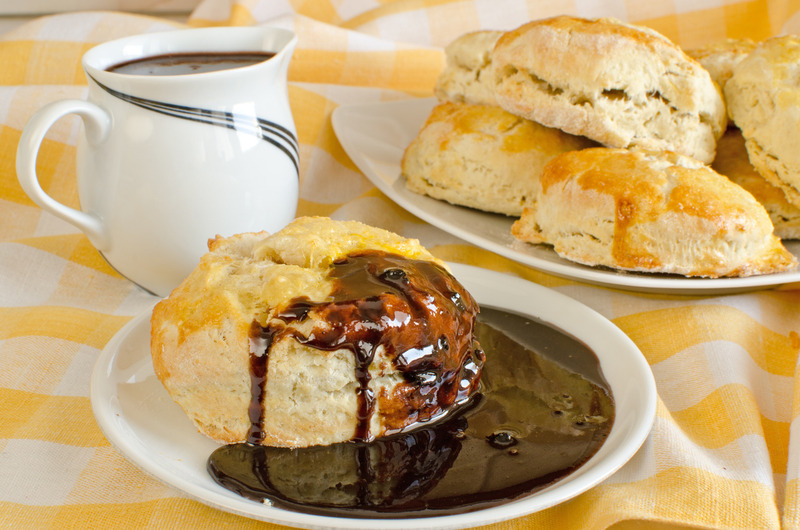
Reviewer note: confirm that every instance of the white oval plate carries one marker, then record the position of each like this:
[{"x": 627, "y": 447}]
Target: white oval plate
[
  {"x": 142, "y": 422},
  {"x": 375, "y": 135}
]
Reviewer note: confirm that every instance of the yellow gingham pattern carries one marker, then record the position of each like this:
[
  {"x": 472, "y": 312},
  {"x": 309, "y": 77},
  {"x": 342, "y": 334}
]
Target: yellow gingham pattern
[{"x": 725, "y": 447}]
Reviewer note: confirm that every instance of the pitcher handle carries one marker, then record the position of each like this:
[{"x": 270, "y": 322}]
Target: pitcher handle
[{"x": 97, "y": 124}]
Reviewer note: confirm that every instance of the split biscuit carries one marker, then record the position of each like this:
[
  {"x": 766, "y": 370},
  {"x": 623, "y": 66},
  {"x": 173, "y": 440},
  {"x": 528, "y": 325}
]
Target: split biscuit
[
  {"x": 482, "y": 157},
  {"x": 618, "y": 84},
  {"x": 316, "y": 335},
  {"x": 733, "y": 162},
  {"x": 720, "y": 58},
  {"x": 763, "y": 96},
  {"x": 649, "y": 212},
  {"x": 466, "y": 77}
]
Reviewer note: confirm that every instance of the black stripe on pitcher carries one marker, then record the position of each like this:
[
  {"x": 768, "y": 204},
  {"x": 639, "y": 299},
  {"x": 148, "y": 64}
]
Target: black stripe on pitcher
[{"x": 272, "y": 132}]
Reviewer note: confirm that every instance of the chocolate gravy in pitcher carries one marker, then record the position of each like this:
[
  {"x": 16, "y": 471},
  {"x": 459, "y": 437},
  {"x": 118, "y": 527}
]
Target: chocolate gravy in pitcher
[{"x": 189, "y": 63}]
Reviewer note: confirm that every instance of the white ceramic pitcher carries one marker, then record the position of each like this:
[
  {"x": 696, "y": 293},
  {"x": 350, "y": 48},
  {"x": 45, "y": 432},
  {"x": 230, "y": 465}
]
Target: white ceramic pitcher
[{"x": 168, "y": 161}]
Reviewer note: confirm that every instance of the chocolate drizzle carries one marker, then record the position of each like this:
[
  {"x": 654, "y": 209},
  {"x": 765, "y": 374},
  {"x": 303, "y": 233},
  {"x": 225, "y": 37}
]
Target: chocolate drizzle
[
  {"x": 412, "y": 309},
  {"x": 260, "y": 341}
]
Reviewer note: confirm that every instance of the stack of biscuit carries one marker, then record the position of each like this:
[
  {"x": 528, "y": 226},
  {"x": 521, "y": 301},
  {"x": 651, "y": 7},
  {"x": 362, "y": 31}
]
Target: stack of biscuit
[{"x": 612, "y": 145}]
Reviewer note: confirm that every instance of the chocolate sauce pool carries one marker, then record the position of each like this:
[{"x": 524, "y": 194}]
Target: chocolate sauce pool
[{"x": 542, "y": 410}]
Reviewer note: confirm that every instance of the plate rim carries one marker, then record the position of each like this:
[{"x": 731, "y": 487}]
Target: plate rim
[
  {"x": 107, "y": 412},
  {"x": 625, "y": 280}
]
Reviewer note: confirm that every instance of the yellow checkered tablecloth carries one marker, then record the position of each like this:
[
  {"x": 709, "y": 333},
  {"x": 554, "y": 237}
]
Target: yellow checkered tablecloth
[{"x": 725, "y": 448}]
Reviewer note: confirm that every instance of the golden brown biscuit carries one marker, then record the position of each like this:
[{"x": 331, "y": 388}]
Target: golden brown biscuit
[
  {"x": 315, "y": 335},
  {"x": 763, "y": 95},
  {"x": 645, "y": 212},
  {"x": 482, "y": 157},
  {"x": 621, "y": 85},
  {"x": 733, "y": 162},
  {"x": 466, "y": 77}
]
